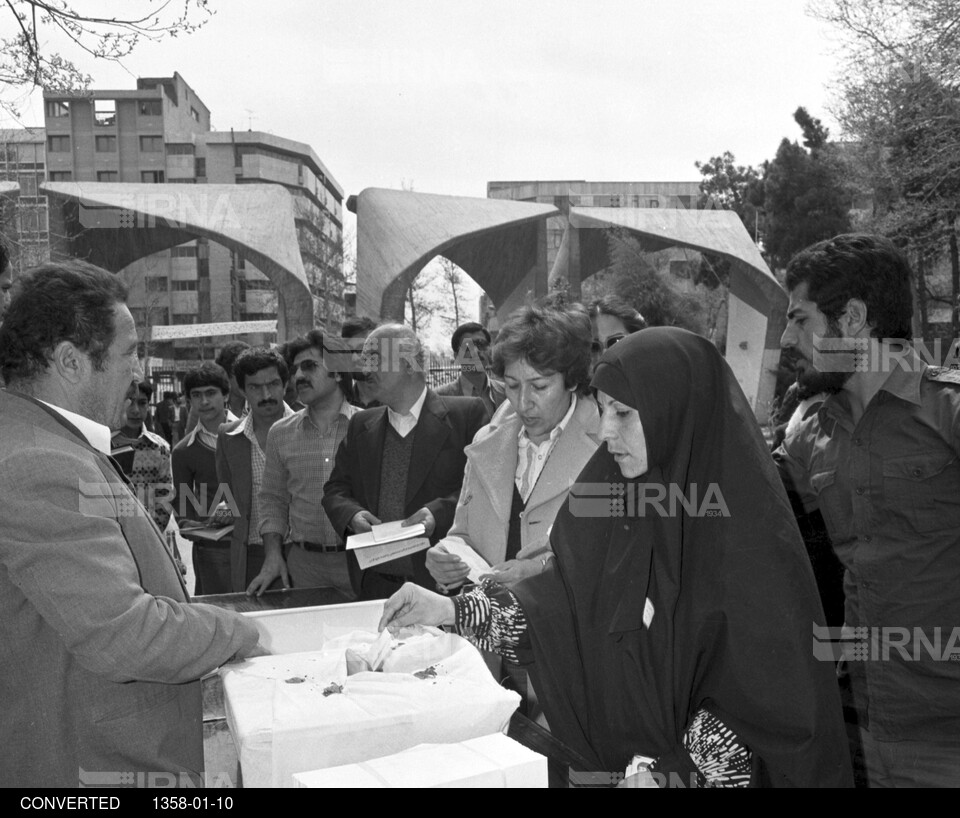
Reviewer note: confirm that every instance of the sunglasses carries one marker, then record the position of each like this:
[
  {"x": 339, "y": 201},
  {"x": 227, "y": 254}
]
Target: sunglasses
[{"x": 596, "y": 346}]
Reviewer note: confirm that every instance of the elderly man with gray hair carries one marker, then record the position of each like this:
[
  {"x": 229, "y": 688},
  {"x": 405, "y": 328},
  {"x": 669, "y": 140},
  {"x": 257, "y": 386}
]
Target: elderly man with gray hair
[{"x": 402, "y": 460}]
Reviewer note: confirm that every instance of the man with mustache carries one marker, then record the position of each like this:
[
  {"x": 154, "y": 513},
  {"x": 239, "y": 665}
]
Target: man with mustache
[
  {"x": 261, "y": 376},
  {"x": 300, "y": 457},
  {"x": 881, "y": 460}
]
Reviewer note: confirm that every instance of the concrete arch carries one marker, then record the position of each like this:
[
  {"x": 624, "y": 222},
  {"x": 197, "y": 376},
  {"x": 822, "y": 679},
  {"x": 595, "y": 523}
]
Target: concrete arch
[
  {"x": 114, "y": 224},
  {"x": 756, "y": 302},
  {"x": 500, "y": 244}
]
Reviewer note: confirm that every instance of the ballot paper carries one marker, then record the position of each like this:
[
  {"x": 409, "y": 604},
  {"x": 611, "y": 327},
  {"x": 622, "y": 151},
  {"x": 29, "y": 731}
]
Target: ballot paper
[
  {"x": 478, "y": 565},
  {"x": 387, "y": 541},
  {"x": 298, "y": 712}
]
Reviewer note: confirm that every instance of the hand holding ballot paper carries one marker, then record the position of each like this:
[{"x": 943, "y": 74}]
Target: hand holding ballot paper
[
  {"x": 388, "y": 541},
  {"x": 452, "y": 562}
]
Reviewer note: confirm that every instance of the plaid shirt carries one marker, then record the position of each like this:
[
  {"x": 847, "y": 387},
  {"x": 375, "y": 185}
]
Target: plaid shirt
[
  {"x": 258, "y": 461},
  {"x": 299, "y": 460},
  {"x": 151, "y": 477}
]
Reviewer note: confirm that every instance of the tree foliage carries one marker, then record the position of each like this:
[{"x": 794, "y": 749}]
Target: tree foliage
[
  {"x": 34, "y": 56},
  {"x": 660, "y": 297},
  {"x": 729, "y": 186},
  {"x": 805, "y": 196},
  {"x": 898, "y": 96}
]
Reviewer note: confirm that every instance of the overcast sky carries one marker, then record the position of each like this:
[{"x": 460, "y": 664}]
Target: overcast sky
[
  {"x": 445, "y": 96},
  {"x": 448, "y": 95}
]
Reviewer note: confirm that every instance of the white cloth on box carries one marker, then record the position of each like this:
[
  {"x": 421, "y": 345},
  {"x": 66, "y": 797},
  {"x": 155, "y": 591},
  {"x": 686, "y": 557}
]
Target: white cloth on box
[
  {"x": 493, "y": 761},
  {"x": 283, "y": 723}
]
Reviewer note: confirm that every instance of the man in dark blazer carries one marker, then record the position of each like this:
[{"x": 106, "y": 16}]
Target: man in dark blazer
[
  {"x": 403, "y": 460},
  {"x": 261, "y": 375},
  {"x": 102, "y": 650}
]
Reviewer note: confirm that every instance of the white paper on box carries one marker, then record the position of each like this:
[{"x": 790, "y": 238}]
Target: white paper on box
[
  {"x": 283, "y": 724},
  {"x": 489, "y": 761},
  {"x": 294, "y": 630},
  {"x": 478, "y": 565}
]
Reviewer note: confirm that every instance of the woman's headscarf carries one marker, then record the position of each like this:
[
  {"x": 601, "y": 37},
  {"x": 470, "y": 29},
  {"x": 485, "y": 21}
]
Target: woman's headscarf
[{"x": 723, "y": 584}]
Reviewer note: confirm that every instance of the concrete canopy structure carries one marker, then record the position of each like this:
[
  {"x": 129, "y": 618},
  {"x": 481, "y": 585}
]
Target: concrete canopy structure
[
  {"x": 113, "y": 224},
  {"x": 501, "y": 245},
  {"x": 756, "y": 302},
  {"x": 497, "y": 243}
]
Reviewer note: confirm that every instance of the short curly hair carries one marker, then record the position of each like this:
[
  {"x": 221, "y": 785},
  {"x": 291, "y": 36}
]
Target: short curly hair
[
  {"x": 251, "y": 361},
  {"x": 70, "y": 300},
  {"x": 551, "y": 340},
  {"x": 857, "y": 265}
]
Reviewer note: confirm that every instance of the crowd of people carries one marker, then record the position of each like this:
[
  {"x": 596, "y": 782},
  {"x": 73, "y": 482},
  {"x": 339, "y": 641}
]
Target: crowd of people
[{"x": 605, "y": 521}]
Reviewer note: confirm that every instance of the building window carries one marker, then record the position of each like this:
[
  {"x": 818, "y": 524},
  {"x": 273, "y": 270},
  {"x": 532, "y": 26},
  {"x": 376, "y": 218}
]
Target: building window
[
  {"x": 155, "y": 284},
  {"x": 58, "y": 144},
  {"x": 108, "y": 176},
  {"x": 184, "y": 286},
  {"x": 56, "y": 109},
  {"x": 106, "y": 144},
  {"x": 653, "y": 203},
  {"x": 187, "y": 251},
  {"x": 28, "y": 184},
  {"x": 180, "y": 149},
  {"x": 151, "y": 107},
  {"x": 195, "y": 114},
  {"x": 151, "y": 144},
  {"x": 61, "y": 176},
  {"x": 105, "y": 112},
  {"x": 184, "y": 319},
  {"x": 151, "y": 176},
  {"x": 200, "y": 167}
]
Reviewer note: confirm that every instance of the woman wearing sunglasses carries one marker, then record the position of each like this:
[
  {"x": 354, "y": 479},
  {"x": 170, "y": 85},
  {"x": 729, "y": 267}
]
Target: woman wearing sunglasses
[{"x": 612, "y": 319}]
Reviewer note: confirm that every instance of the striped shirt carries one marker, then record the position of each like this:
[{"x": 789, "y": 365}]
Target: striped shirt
[
  {"x": 299, "y": 460},
  {"x": 258, "y": 460}
]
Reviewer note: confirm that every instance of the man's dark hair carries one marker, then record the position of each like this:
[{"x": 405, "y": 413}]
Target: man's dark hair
[
  {"x": 229, "y": 353},
  {"x": 358, "y": 325},
  {"x": 550, "y": 340},
  {"x": 315, "y": 339},
  {"x": 59, "y": 301},
  {"x": 145, "y": 388},
  {"x": 251, "y": 361},
  {"x": 618, "y": 308},
  {"x": 857, "y": 265},
  {"x": 207, "y": 374},
  {"x": 463, "y": 329}
]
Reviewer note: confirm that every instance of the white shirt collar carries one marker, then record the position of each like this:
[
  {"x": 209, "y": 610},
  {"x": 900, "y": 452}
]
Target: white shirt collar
[
  {"x": 97, "y": 434},
  {"x": 402, "y": 421},
  {"x": 192, "y": 434},
  {"x": 246, "y": 428}
]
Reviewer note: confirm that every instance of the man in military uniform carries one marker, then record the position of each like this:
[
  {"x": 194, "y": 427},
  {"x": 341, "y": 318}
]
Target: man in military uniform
[{"x": 880, "y": 460}]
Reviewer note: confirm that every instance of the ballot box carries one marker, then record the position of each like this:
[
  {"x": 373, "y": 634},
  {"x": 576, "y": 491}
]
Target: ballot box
[
  {"x": 322, "y": 706},
  {"x": 294, "y": 630},
  {"x": 493, "y": 761}
]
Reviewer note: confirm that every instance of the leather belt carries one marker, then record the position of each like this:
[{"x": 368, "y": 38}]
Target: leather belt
[{"x": 317, "y": 547}]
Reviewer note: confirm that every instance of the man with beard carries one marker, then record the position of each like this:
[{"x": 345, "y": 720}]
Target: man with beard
[
  {"x": 261, "y": 375},
  {"x": 300, "y": 457},
  {"x": 881, "y": 460}
]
